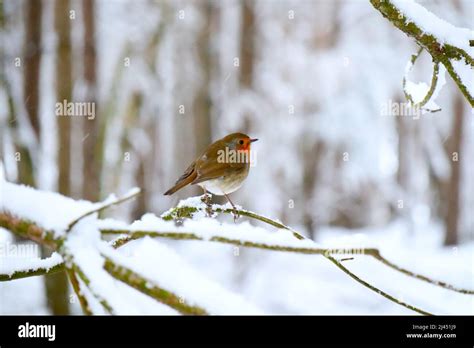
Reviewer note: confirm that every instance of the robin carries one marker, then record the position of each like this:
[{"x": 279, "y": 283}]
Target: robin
[{"x": 221, "y": 169}]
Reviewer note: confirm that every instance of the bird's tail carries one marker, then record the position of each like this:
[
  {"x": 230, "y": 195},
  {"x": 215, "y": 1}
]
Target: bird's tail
[{"x": 187, "y": 178}]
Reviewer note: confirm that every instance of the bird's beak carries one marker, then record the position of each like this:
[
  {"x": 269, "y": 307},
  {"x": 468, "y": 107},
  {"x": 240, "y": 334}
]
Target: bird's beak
[{"x": 252, "y": 140}]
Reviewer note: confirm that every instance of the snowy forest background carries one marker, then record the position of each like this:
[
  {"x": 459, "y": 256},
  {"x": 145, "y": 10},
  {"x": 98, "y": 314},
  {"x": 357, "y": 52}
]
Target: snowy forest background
[{"x": 313, "y": 80}]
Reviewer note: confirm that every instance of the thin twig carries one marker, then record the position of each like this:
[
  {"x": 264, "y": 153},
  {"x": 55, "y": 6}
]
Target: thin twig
[
  {"x": 133, "y": 235},
  {"x": 434, "y": 82},
  {"x": 77, "y": 289},
  {"x": 413, "y": 59},
  {"x": 320, "y": 251},
  {"x": 104, "y": 206},
  {"x": 373, "y": 288},
  {"x": 440, "y": 52},
  {"x": 108, "y": 308},
  {"x": 374, "y": 252}
]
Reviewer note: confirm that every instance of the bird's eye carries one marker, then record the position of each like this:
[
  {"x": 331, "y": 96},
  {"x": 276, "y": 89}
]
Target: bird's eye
[{"x": 241, "y": 142}]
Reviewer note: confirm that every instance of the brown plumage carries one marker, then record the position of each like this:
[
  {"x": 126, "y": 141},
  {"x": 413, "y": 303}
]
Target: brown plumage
[{"x": 214, "y": 174}]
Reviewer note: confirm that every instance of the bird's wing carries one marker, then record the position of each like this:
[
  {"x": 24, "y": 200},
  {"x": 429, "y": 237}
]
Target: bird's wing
[
  {"x": 188, "y": 176},
  {"x": 208, "y": 166},
  {"x": 212, "y": 169}
]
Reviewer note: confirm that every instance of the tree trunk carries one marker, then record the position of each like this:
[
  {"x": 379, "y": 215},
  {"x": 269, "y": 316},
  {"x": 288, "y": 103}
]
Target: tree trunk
[
  {"x": 247, "y": 48},
  {"x": 31, "y": 90},
  {"x": 64, "y": 91},
  {"x": 453, "y": 187},
  {"x": 202, "y": 102},
  {"x": 57, "y": 285},
  {"x": 91, "y": 152},
  {"x": 32, "y": 61}
]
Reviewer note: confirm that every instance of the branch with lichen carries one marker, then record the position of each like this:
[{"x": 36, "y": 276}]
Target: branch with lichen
[
  {"x": 250, "y": 244},
  {"x": 440, "y": 53},
  {"x": 79, "y": 293},
  {"x": 183, "y": 211},
  {"x": 32, "y": 272},
  {"x": 73, "y": 270},
  {"x": 151, "y": 289},
  {"x": 34, "y": 232},
  {"x": 431, "y": 90}
]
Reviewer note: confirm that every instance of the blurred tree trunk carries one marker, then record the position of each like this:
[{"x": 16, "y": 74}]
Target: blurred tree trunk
[
  {"x": 202, "y": 102},
  {"x": 453, "y": 186},
  {"x": 31, "y": 89},
  {"x": 314, "y": 149},
  {"x": 91, "y": 152},
  {"x": 406, "y": 131},
  {"x": 247, "y": 49},
  {"x": 32, "y": 61},
  {"x": 57, "y": 286},
  {"x": 247, "y": 54},
  {"x": 313, "y": 152},
  {"x": 64, "y": 91}
]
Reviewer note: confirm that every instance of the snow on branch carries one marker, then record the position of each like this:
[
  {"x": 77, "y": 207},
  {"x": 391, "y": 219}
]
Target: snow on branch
[
  {"x": 445, "y": 43},
  {"x": 158, "y": 271},
  {"x": 420, "y": 95},
  {"x": 150, "y": 267},
  {"x": 192, "y": 208},
  {"x": 16, "y": 268}
]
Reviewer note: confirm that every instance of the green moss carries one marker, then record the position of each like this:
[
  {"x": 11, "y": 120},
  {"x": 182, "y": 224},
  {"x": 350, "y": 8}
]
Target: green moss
[
  {"x": 440, "y": 53},
  {"x": 180, "y": 213},
  {"x": 153, "y": 290}
]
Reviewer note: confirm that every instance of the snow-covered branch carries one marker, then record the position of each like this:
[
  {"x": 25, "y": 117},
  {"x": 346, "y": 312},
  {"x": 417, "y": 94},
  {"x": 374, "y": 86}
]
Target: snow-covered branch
[
  {"x": 90, "y": 261},
  {"x": 445, "y": 43},
  {"x": 11, "y": 268},
  {"x": 136, "y": 281},
  {"x": 192, "y": 206}
]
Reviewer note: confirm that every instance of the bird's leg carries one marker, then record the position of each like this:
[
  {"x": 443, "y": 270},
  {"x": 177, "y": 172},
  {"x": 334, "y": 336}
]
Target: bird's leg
[
  {"x": 207, "y": 200},
  {"x": 235, "y": 213}
]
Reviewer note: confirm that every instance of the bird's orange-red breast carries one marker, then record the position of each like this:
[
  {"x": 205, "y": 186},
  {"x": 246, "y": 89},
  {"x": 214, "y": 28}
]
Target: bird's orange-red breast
[{"x": 221, "y": 168}]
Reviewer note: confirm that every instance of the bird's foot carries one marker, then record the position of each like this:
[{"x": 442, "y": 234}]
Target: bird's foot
[
  {"x": 236, "y": 214},
  {"x": 206, "y": 199}
]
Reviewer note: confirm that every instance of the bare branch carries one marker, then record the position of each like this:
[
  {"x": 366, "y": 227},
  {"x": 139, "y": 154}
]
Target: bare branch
[{"x": 373, "y": 288}]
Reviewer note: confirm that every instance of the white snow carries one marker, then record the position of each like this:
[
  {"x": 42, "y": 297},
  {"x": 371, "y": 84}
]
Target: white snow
[
  {"x": 465, "y": 73},
  {"x": 419, "y": 90},
  {"x": 164, "y": 267},
  {"x": 52, "y": 211},
  {"x": 445, "y": 32},
  {"x": 84, "y": 244},
  {"x": 10, "y": 265},
  {"x": 207, "y": 228}
]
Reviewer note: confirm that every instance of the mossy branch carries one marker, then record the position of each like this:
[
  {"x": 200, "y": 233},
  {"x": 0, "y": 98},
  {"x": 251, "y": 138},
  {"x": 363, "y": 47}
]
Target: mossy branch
[
  {"x": 434, "y": 82},
  {"x": 373, "y": 288},
  {"x": 32, "y": 231},
  {"x": 148, "y": 287},
  {"x": 187, "y": 212},
  {"x": 32, "y": 272},
  {"x": 77, "y": 289},
  {"x": 441, "y": 53},
  {"x": 319, "y": 251}
]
